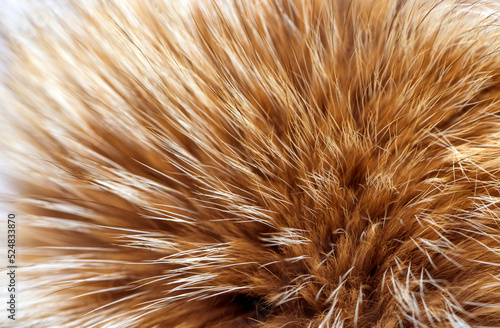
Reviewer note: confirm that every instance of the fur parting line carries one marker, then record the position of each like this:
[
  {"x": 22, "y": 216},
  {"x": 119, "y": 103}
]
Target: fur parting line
[{"x": 260, "y": 163}]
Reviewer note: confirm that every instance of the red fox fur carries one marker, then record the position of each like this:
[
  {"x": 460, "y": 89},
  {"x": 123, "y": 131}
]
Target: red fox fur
[{"x": 260, "y": 163}]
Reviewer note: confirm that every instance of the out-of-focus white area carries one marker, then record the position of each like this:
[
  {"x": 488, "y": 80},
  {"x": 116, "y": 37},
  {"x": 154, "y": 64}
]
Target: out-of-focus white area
[
  {"x": 12, "y": 16},
  {"x": 16, "y": 17}
]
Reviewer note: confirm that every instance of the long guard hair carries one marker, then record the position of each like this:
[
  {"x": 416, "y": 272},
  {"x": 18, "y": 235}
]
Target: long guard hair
[{"x": 260, "y": 163}]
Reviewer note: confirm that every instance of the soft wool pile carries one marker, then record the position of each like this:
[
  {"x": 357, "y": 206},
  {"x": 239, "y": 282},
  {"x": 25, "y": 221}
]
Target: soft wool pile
[{"x": 262, "y": 163}]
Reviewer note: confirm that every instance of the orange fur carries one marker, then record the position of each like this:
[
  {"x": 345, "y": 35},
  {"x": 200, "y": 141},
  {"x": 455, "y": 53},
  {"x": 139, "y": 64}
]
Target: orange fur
[{"x": 273, "y": 163}]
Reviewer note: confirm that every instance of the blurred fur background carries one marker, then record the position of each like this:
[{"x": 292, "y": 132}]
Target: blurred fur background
[{"x": 261, "y": 163}]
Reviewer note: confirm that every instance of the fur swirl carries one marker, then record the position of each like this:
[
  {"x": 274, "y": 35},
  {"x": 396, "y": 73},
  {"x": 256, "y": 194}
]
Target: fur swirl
[{"x": 261, "y": 163}]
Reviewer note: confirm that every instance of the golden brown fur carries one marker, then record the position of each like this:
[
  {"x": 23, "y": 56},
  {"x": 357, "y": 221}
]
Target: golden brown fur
[{"x": 274, "y": 163}]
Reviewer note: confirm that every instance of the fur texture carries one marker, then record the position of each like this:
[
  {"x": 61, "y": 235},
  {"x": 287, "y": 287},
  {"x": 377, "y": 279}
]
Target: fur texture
[{"x": 261, "y": 163}]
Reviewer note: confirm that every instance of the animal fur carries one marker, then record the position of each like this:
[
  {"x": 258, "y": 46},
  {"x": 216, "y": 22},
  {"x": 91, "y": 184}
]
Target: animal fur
[{"x": 261, "y": 163}]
